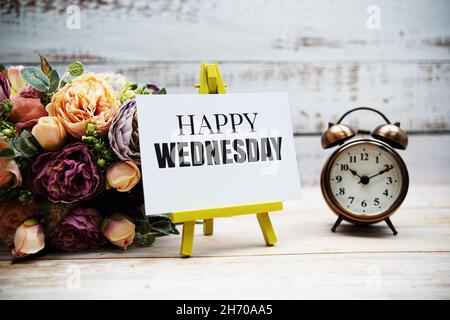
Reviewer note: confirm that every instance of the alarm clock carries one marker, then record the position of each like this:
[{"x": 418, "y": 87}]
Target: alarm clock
[{"x": 365, "y": 180}]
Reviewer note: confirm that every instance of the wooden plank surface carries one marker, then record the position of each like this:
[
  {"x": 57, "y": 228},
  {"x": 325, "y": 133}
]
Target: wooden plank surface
[
  {"x": 268, "y": 30},
  {"x": 415, "y": 94},
  {"x": 321, "y": 52},
  {"x": 308, "y": 261},
  {"x": 427, "y": 158},
  {"x": 340, "y": 276}
]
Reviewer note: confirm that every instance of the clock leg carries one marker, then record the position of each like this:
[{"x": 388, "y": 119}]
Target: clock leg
[
  {"x": 337, "y": 223},
  {"x": 391, "y": 226}
]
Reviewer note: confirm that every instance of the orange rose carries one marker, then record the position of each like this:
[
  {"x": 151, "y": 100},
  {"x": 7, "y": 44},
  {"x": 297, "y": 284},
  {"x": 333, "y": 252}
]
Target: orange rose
[
  {"x": 123, "y": 175},
  {"x": 12, "y": 214},
  {"x": 9, "y": 171},
  {"x": 28, "y": 239},
  {"x": 87, "y": 99},
  {"x": 50, "y": 133},
  {"x": 119, "y": 230}
]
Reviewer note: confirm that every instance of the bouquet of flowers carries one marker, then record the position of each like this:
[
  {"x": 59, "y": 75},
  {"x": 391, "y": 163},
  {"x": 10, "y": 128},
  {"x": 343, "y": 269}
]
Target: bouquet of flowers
[{"x": 70, "y": 175}]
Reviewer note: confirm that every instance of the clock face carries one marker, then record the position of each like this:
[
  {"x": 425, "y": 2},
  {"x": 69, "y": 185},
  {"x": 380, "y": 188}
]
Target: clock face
[{"x": 366, "y": 179}]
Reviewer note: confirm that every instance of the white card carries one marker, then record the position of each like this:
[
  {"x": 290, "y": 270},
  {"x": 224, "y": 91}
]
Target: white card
[{"x": 202, "y": 151}]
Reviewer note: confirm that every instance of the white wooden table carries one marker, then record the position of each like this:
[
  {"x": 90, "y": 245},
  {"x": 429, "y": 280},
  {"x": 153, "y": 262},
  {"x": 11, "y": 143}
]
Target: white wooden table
[{"x": 308, "y": 262}]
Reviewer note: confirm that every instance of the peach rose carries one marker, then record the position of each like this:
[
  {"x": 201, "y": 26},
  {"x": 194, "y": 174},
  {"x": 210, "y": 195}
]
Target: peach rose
[
  {"x": 87, "y": 99},
  {"x": 29, "y": 238},
  {"x": 50, "y": 133},
  {"x": 119, "y": 230},
  {"x": 123, "y": 175},
  {"x": 9, "y": 171},
  {"x": 12, "y": 214},
  {"x": 27, "y": 108},
  {"x": 15, "y": 78}
]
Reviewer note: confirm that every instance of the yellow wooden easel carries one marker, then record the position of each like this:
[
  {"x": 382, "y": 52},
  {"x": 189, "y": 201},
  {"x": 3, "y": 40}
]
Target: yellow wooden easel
[{"x": 211, "y": 83}]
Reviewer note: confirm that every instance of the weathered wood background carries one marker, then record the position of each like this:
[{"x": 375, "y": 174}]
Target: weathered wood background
[{"x": 322, "y": 52}]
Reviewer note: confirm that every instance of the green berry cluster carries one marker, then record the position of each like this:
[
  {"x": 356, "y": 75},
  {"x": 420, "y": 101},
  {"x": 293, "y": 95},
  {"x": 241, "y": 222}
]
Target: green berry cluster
[
  {"x": 103, "y": 153},
  {"x": 7, "y": 129},
  {"x": 131, "y": 89},
  {"x": 25, "y": 196}
]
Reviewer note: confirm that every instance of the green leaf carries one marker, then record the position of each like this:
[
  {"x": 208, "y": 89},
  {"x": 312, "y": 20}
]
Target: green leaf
[
  {"x": 144, "y": 227},
  {"x": 3, "y": 70},
  {"x": 155, "y": 218},
  {"x": 26, "y": 144},
  {"x": 45, "y": 66},
  {"x": 46, "y": 97},
  {"x": 162, "y": 225},
  {"x": 31, "y": 222},
  {"x": 76, "y": 69},
  {"x": 5, "y": 108},
  {"x": 104, "y": 223},
  {"x": 148, "y": 240},
  {"x": 54, "y": 81},
  {"x": 7, "y": 153},
  {"x": 142, "y": 89},
  {"x": 117, "y": 216},
  {"x": 161, "y": 91},
  {"x": 36, "y": 78}
]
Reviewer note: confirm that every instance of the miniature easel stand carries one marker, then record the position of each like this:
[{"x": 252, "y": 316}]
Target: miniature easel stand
[{"x": 211, "y": 83}]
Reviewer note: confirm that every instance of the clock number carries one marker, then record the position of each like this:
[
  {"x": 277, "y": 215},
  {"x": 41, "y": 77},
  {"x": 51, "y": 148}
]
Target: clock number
[
  {"x": 338, "y": 179},
  {"x": 389, "y": 180},
  {"x": 364, "y": 204},
  {"x": 352, "y": 159},
  {"x": 351, "y": 199},
  {"x": 376, "y": 201},
  {"x": 377, "y": 159},
  {"x": 341, "y": 191},
  {"x": 344, "y": 167},
  {"x": 386, "y": 192},
  {"x": 364, "y": 157}
]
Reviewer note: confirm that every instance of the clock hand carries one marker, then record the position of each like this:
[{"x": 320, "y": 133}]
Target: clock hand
[
  {"x": 354, "y": 173},
  {"x": 362, "y": 179},
  {"x": 382, "y": 171},
  {"x": 366, "y": 179}
]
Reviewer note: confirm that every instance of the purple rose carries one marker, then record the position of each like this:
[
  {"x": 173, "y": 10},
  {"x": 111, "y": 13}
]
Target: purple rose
[
  {"x": 79, "y": 231},
  {"x": 124, "y": 133},
  {"x": 153, "y": 88},
  {"x": 4, "y": 87},
  {"x": 66, "y": 176}
]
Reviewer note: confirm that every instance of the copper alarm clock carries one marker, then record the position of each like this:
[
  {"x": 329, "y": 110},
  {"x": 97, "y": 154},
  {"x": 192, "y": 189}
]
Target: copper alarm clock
[{"x": 365, "y": 180}]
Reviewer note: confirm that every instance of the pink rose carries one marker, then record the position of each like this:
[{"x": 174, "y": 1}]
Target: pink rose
[
  {"x": 119, "y": 230},
  {"x": 9, "y": 171},
  {"x": 123, "y": 175},
  {"x": 15, "y": 79},
  {"x": 27, "y": 108},
  {"x": 12, "y": 214},
  {"x": 29, "y": 238}
]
